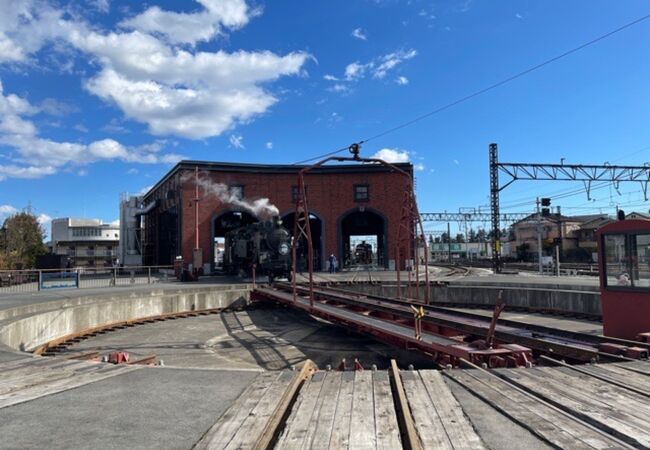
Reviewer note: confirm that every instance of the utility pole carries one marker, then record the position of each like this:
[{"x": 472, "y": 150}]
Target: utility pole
[
  {"x": 448, "y": 243},
  {"x": 539, "y": 239}
]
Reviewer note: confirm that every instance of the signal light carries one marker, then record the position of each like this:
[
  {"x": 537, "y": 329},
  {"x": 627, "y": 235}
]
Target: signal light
[{"x": 546, "y": 202}]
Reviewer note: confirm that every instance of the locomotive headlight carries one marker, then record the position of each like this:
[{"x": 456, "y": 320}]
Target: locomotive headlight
[{"x": 283, "y": 249}]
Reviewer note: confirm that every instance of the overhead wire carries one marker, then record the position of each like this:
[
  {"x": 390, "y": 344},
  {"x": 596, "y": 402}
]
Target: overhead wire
[{"x": 486, "y": 89}]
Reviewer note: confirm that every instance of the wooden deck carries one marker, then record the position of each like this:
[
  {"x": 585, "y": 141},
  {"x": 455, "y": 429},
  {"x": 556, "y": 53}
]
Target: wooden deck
[
  {"x": 600, "y": 406},
  {"x": 30, "y": 378}
]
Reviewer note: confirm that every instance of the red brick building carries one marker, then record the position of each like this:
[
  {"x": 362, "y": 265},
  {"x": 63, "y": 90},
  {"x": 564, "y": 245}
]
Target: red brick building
[{"x": 345, "y": 201}]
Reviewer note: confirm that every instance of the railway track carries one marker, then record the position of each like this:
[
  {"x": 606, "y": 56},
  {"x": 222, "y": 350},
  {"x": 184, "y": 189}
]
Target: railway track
[
  {"x": 59, "y": 345},
  {"x": 565, "y": 406},
  {"x": 467, "y": 327}
]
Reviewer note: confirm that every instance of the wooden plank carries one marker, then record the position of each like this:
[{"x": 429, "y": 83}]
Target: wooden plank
[
  {"x": 596, "y": 392},
  {"x": 270, "y": 429},
  {"x": 222, "y": 432},
  {"x": 300, "y": 420},
  {"x": 544, "y": 421},
  {"x": 638, "y": 380},
  {"x": 59, "y": 385},
  {"x": 324, "y": 420},
  {"x": 586, "y": 407},
  {"x": 427, "y": 422},
  {"x": 387, "y": 429},
  {"x": 404, "y": 417},
  {"x": 458, "y": 427},
  {"x": 342, "y": 418},
  {"x": 253, "y": 426},
  {"x": 362, "y": 423},
  {"x": 637, "y": 366}
]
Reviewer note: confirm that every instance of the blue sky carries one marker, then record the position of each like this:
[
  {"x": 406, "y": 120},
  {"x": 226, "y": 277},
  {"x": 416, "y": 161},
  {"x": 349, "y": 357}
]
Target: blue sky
[{"x": 101, "y": 97}]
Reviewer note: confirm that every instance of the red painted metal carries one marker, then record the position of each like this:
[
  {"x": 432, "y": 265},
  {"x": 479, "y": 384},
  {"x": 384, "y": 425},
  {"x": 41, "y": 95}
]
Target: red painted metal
[
  {"x": 408, "y": 239},
  {"x": 118, "y": 357},
  {"x": 626, "y": 310},
  {"x": 444, "y": 350},
  {"x": 498, "y": 308}
]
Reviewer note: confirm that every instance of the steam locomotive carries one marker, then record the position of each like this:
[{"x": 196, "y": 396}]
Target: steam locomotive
[
  {"x": 363, "y": 253},
  {"x": 265, "y": 245}
]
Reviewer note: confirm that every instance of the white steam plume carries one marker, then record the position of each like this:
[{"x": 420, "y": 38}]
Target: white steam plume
[{"x": 262, "y": 208}]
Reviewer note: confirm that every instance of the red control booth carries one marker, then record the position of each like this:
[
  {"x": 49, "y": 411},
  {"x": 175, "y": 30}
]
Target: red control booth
[{"x": 624, "y": 260}]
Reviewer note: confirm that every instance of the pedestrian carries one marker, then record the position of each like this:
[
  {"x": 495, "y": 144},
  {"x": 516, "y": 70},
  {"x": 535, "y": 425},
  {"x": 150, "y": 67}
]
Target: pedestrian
[{"x": 332, "y": 263}]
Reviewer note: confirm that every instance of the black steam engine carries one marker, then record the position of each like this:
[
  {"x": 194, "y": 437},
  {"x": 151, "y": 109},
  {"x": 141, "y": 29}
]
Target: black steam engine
[{"x": 264, "y": 245}]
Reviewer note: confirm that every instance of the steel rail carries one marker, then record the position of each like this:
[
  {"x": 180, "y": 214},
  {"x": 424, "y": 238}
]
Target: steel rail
[{"x": 573, "y": 345}]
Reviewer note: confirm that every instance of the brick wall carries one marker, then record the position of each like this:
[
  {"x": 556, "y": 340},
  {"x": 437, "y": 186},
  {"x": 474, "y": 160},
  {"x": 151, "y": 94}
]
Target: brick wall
[{"x": 330, "y": 196}]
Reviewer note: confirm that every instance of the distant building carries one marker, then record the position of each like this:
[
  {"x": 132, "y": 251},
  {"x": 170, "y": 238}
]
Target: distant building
[
  {"x": 441, "y": 251},
  {"x": 574, "y": 235},
  {"x": 86, "y": 242}
]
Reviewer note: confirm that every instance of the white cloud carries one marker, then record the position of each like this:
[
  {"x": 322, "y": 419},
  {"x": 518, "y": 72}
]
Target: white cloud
[
  {"x": 392, "y": 155},
  {"x": 132, "y": 171},
  {"x": 236, "y": 141},
  {"x": 82, "y": 172},
  {"x": 455, "y": 161},
  {"x": 115, "y": 223},
  {"x": 56, "y": 107},
  {"x": 359, "y": 34},
  {"x": 395, "y": 155},
  {"x": 7, "y": 210},
  {"x": 43, "y": 219},
  {"x": 355, "y": 70},
  {"x": 378, "y": 68},
  {"x": 389, "y": 61},
  {"x": 269, "y": 145},
  {"x": 338, "y": 87},
  {"x": 144, "y": 190},
  {"x": 519, "y": 16},
  {"x": 183, "y": 28},
  {"x": 147, "y": 69},
  {"x": 37, "y": 157},
  {"x": 101, "y": 5},
  {"x": 330, "y": 77}
]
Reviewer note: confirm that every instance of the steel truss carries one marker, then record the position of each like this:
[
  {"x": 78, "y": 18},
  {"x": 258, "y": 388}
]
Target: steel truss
[
  {"x": 586, "y": 173},
  {"x": 410, "y": 232},
  {"x": 471, "y": 217}
]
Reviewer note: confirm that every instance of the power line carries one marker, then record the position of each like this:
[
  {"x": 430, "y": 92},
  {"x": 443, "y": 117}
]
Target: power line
[
  {"x": 509, "y": 79},
  {"x": 488, "y": 88}
]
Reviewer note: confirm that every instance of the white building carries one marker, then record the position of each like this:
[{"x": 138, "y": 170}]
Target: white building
[{"x": 86, "y": 242}]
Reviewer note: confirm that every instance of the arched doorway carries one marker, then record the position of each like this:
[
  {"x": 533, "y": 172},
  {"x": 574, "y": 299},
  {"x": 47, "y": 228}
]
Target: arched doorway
[
  {"x": 316, "y": 227},
  {"x": 362, "y": 239},
  {"x": 222, "y": 224}
]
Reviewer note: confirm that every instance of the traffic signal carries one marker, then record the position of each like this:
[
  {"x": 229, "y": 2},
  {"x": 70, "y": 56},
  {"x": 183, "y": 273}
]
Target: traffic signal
[
  {"x": 546, "y": 212},
  {"x": 546, "y": 202}
]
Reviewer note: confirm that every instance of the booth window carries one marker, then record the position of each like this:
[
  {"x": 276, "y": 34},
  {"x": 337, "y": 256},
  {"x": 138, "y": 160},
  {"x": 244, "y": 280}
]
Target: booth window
[{"x": 627, "y": 260}]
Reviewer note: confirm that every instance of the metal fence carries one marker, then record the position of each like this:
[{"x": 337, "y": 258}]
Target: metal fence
[{"x": 19, "y": 281}]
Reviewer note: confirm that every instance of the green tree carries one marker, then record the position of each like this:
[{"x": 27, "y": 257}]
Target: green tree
[
  {"x": 460, "y": 237},
  {"x": 21, "y": 241}
]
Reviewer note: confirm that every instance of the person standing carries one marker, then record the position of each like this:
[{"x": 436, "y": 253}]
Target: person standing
[{"x": 332, "y": 263}]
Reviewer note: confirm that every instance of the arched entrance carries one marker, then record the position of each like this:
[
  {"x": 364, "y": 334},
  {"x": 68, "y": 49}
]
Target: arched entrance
[
  {"x": 222, "y": 224},
  {"x": 362, "y": 238},
  {"x": 316, "y": 226}
]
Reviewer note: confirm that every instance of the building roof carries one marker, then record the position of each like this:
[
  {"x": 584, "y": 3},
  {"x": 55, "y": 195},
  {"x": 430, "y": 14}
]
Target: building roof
[
  {"x": 212, "y": 166},
  {"x": 81, "y": 222},
  {"x": 554, "y": 217},
  {"x": 596, "y": 223}
]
